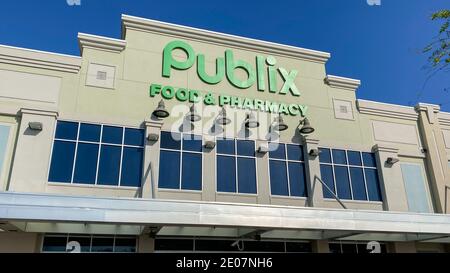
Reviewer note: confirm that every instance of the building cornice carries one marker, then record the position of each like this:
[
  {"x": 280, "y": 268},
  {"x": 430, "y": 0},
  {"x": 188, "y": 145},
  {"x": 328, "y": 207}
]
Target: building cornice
[
  {"x": 100, "y": 43},
  {"x": 444, "y": 118},
  {"x": 341, "y": 82},
  {"x": 153, "y": 26},
  {"x": 386, "y": 110},
  {"x": 39, "y": 59}
]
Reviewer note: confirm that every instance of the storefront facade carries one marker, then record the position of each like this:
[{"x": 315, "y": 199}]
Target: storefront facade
[{"x": 180, "y": 139}]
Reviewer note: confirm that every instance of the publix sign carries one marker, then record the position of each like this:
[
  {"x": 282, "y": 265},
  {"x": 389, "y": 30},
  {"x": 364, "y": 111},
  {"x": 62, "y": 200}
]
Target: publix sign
[{"x": 263, "y": 72}]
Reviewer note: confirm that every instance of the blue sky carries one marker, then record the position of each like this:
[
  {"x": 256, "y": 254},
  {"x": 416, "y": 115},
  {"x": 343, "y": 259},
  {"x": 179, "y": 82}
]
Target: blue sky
[{"x": 380, "y": 45}]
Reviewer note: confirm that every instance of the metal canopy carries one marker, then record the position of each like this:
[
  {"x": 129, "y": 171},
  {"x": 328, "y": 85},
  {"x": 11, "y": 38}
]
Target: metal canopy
[{"x": 73, "y": 214}]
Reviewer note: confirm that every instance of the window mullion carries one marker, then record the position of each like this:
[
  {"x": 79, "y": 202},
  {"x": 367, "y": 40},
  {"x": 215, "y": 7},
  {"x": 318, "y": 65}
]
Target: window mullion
[
  {"x": 75, "y": 155},
  {"x": 121, "y": 156},
  {"x": 98, "y": 156}
]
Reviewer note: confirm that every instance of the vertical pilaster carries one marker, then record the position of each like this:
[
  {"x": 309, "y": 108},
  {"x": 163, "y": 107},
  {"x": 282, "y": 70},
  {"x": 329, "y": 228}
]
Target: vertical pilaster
[
  {"x": 33, "y": 150},
  {"x": 315, "y": 194},
  {"x": 151, "y": 159},
  {"x": 436, "y": 155},
  {"x": 392, "y": 186},
  {"x": 320, "y": 246}
]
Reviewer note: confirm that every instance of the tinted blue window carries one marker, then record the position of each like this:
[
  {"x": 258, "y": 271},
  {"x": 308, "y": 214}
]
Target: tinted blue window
[
  {"x": 226, "y": 174},
  {"x": 192, "y": 143},
  {"x": 324, "y": 155},
  {"x": 192, "y": 172},
  {"x": 102, "y": 244},
  {"x": 112, "y": 134},
  {"x": 342, "y": 182},
  {"x": 62, "y": 161},
  {"x": 66, "y": 130},
  {"x": 170, "y": 140},
  {"x": 339, "y": 157},
  {"x": 326, "y": 173},
  {"x": 246, "y": 175},
  {"x": 109, "y": 165},
  {"x": 354, "y": 158},
  {"x": 294, "y": 152},
  {"x": 373, "y": 185},
  {"x": 245, "y": 147},
  {"x": 278, "y": 178},
  {"x": 90, "y": 132},
  {"x": 131, "y": 167},
  {"x": 86, "y": 163},
  {"x": 134, "y": 137},
  {"x": 277, "y": 150},
  {"x": 358, "y": 186},
  {"x": 369, "y": 159},
  {"x": 297, "y": 179},
  {"x": 225, "y": 146},
  {"x": 54, "y": 244},
  {"x": 169, "y": 170}
]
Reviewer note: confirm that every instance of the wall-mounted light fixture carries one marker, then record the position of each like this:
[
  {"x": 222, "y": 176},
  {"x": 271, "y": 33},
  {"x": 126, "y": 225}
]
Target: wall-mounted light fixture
[
  {"x": 251, "y": 121},
  {"x": 278, "y": 124},
  {"x": 193, "y": 115},
  {"x": 306, "y": 127},
  {"x": 263, "y": 148},
  {"x": 392, "y": 160},
  {"x": 152, "y": 137},
  {"x": 209, "y": 144},
  {"x": 35, "y": 125},
  {"x": 161, "y": 111},
  {"x": 314, "y": 152},
  {"x": 222, "y": 118}
]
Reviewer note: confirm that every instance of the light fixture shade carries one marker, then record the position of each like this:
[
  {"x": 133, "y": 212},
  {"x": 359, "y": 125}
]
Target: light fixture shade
[
  {"x": 306, "y": 128},
  {"x": 222, "y": 119},
  {"x": 278, "y": 124},
  {"x": 161, "y": 111},
  {"x": 251, "y": 121},
  {"x": 193, "y": 115}
]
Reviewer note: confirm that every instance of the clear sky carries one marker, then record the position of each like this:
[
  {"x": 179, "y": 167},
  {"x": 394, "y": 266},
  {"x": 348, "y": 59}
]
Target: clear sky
[{"x": 380, "y": 44}]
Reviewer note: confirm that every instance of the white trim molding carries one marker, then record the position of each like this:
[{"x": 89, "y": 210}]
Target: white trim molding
[
  {"x": 39, "y": 59},
  {"x": 341, "y": 82},
  {"x": 201, "y": 35},
  {"x": 100, "y": 43},
  {"x": 386, "y": 110}
]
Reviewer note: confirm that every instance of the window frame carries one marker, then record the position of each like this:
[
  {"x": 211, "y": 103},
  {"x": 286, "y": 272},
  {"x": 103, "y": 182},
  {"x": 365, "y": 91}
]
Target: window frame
[
  {"x": 91, "y": 237},
  {"x": 348, "y": 166},
  {"x": 236, "y": 156},
  {"x": 99, "y": 143},
  {"x": 287, "y": 160},
  {"x": 181, "y": 151}
]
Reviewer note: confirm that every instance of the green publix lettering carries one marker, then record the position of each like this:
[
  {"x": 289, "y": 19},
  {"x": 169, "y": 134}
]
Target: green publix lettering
[{"x": 226, "y": 66}]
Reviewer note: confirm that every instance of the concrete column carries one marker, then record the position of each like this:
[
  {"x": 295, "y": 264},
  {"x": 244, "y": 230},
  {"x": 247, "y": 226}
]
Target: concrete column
[
  {"x": 18, "y": 242},
  {"x": 436, "y": 156},
  {"x": 315, "y": 194},
  {"x": 146, "y": 244},
  {"x": 31, "y": 160},
  {"x": 151, "y": 159},
  {"x": 390, "y": 175},
  {"x": 262, "y": 164},
  {"x": 403, "y": 247},
  {"x": 320, "y": 246},
  {"x": 209, "y": 171}
]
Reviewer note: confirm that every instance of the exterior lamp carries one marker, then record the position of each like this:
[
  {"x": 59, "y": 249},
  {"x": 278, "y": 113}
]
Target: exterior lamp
[
  {"x": 250, "y": 121},
  {"x": 193, "y": 115},
  {"x": 222, "y": 119},
  {"x": 306, "y": 128},
  {"x": 278, "y": 124},
  {"x": 35, "y": 125},
  {"x": 392, "y": 160},
  {"x": 161, "y": 111}
]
